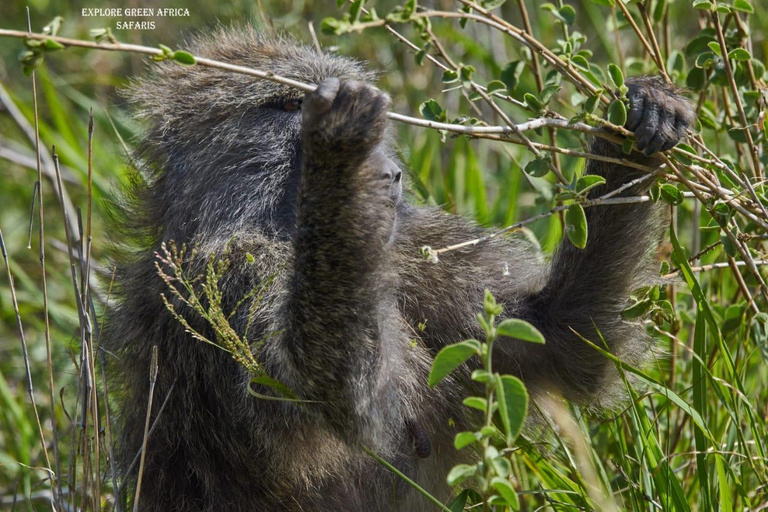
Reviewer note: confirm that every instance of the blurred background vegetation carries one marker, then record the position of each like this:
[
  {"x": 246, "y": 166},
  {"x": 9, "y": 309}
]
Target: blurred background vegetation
[{"x": 477, "y": 178}]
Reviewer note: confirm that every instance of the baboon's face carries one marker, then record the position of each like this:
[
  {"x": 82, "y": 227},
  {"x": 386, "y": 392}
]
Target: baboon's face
[
  {"x": 284, "y": 114},
  {"x": 226, "y": 147}
]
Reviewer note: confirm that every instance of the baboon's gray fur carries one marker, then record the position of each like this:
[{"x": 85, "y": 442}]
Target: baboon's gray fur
[{"x": 304, "y": 192}]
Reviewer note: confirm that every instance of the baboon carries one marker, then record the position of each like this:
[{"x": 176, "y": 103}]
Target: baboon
[{"x": 308, "y": 189}]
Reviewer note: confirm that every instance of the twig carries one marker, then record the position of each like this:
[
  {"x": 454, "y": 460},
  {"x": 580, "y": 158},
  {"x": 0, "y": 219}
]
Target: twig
[
  {"x": 654, "y": 43},
  {"x": 85, "y": 279},
  {"x": 105, "y": 383},
  {"x": 604, "y": 200},
  {"x": 539, "y": 81},
  {"x": 712, "y": 266},
  {"x": 44, "y": 280},
  {"x": 137, "y": 457},
  {"x": 25, "y": 353},
  {"x": 742, "y": 285},
  {"x": 153, "y": 368},
  {"x": 743, "y": 251},
  {"x": 754, "y": 160},
  {"x": 32, "y": 213},
  {"x": 648, "y": 48}
]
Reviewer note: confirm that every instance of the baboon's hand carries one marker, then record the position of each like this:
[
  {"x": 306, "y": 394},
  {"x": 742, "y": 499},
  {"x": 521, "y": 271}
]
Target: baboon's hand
[
  {"x": 658, "y": 115},
  {"x": 346, "y": 118}
]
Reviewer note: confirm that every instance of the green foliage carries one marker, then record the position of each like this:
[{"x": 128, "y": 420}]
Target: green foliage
[
  {"x": 576, "y": 225},
  {"x": 505, "y": 402}
]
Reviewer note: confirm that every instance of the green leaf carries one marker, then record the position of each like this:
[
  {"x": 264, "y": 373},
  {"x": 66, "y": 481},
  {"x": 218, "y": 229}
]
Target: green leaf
[
  {"x": 607, "y": 3},
  {"x": 580, "y": 62},
  {"x": 743, "y": 6},
  {"x": 728, "y": 246},
  {"x": 464, "y": 439},
  {"x": 450, "y": 357},
  {"x": 490, "y": 305},
  {"x": 419, "y": 57},
  {"x": 450, "y": 76},
  {"x": 500, "y": 464},
  {"x": 510, "y": 74},
  {"x": 548, "y": 92},
  {"x": 276, "y": 385},
  {"x": 591, "y": 104},
  {"x": 654, "y": 191},
  {"x": 481, "y": 375},
  {"x": 432, "y": 111},
  {"x": 333, "y": 26},
  {"x": 460, "y": 473},
  {"x": 184, "y": 58},
  {"x": 705, "y": 60},
  {"x": 576, "y": 225},
  {"x": 682, "y": 157},
  {"x": 567, "y": 14},
  {"x": 588, "y": 182},
  {"x": 702, "y": 4},
  {"x": 459, "y": 502},
  {"x": 698, "y": 44},
  {"x": 696, "y": 79},
  {"x": 533, "y": 103},
  {"x": 617, "y": 112},
  {"x": 617, "y": 77},
  {"x": 465, "y": 74},
  {"x": 476, "y": 402},
  {"x": 637, "y": 310},
  {"x": 739, "y": 54},
  {"x": 506, "y": 491},
  {"x": 715, "y": 47},
  {"x": 496, "y": 85},
  {"x": 493, "y": 4},
  {"x": 53, "y": 27},
  {"x": 565, "y": 195},
  {"x": 49, "y": 45},
  {"x": 513, "y": 405},
  {"x": 671, "y": 194},
  {"x": 519, "y": 329},
  {"x": 539, "y": 166}
]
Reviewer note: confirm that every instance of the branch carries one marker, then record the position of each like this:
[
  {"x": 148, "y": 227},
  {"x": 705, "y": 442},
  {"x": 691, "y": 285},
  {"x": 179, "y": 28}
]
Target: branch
[{"x": 476, "y": 131}]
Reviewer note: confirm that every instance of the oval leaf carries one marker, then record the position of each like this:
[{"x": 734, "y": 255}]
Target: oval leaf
[
  {"x": 510, "y": 74},
  {"x": 450, "y": 357},
  {"x": 185, "y": 58},
  {"x": 671, "y": 194},
  {"x": 617, "y": 77},
  {"x": 460, "y": 473},
  {"x": 476, "y": 402},
  {"x": 576, "y": 225},
  {"x": 464, "y": 439},
  {"x": 506, "y": 491},
  {"x": 513, "y": 405},
  {"x": 617, "y": 113},
  {"x": 588, "y": 182},
  {"x": 739, "y": 54},
  {"x": 520, "y": 329}
]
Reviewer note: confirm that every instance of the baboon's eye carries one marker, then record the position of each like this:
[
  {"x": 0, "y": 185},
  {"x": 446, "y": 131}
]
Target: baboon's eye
[
  {"x": 285, "y": 105},
  {"x": 292, "y": 105}
]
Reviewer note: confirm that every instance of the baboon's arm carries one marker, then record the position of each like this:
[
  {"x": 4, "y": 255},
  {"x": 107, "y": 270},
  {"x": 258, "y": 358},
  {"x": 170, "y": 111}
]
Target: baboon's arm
[
  {"x": 337, "y": 331},
  {"x": 588, "y": 288}
]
